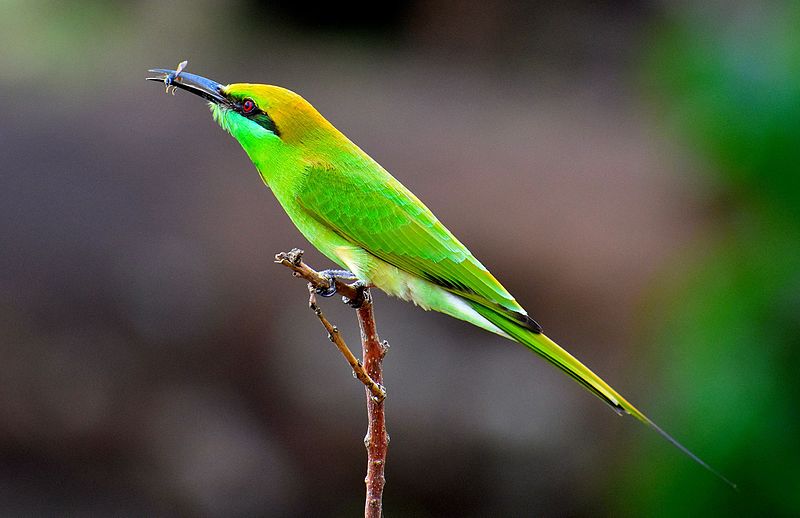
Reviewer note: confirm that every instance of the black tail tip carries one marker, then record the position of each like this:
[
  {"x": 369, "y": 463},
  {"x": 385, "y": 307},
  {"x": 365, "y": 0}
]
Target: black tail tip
[{"x": 533, "y": 325}]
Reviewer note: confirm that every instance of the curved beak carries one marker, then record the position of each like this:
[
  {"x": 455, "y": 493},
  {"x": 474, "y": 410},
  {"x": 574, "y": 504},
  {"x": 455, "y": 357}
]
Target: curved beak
[{"x": 198, "y": 85}]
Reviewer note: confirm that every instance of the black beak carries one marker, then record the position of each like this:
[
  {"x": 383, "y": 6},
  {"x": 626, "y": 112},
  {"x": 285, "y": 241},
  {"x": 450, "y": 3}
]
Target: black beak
[{"x": 198, "y": 85}]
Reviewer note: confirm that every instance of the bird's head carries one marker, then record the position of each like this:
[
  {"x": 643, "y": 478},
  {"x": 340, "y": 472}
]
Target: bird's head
[{"x": 265, "y": 119}]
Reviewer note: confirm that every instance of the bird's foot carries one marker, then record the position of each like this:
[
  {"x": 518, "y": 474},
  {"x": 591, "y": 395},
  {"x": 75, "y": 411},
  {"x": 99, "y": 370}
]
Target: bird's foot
[
  {"x": 363, "y": 295},
  {"x": 332, "y": 275}
]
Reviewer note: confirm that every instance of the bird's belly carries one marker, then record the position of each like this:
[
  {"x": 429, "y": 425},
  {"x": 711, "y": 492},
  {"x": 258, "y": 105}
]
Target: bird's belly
[{"x": 401, "y": 284}]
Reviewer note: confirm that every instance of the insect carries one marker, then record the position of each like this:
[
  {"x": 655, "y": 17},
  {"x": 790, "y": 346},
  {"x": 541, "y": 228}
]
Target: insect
[{"x": 172, "y": 76}]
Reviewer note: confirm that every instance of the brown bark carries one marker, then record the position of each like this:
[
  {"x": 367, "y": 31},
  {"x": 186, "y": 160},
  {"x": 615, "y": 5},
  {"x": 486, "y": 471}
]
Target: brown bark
[
  {"x": 376, "y": 440},
  {"x": 369, "y": 373}
]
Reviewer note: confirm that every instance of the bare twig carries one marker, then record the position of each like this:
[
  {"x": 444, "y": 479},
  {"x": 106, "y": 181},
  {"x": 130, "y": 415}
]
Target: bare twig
[
  {"x": 360, "y": 372},
  {"x": 369, "y": 373},
  {"x": 293, "y": 260},
  {"x": 376, "y": 440}
]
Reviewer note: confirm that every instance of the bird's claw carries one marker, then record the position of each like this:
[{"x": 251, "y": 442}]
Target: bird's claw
[
  {"x": 330, "y": 291},
  {"x": 331, "y": 276},
  {"x": 359, "y": 286},
  {"x": 363, "y": 295}
]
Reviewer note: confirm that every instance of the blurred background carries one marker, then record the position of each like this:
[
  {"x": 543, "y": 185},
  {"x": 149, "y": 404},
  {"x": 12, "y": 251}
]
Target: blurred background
[{"x": 629, "y": 170}]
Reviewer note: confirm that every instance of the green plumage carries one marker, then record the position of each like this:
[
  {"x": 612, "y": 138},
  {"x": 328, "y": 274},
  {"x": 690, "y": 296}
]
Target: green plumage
[
  {"x": 373, "y": 211},
  {"x": 361, "y": 217}
]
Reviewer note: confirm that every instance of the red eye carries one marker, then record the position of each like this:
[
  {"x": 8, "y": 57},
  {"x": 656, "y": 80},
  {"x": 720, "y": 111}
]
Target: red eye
[{"x": 248, "y": 106}]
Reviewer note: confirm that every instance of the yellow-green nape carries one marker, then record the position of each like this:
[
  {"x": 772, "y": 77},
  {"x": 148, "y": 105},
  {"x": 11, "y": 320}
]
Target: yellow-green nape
[{"x": 292, "y": 115}]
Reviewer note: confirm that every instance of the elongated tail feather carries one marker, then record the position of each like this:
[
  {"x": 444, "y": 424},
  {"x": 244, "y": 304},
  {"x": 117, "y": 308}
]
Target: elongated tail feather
[{"x": 552, "y": 352}]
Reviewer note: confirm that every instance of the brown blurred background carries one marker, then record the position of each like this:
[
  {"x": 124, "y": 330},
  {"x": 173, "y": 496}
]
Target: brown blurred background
[{"x": 629, "y": 170}]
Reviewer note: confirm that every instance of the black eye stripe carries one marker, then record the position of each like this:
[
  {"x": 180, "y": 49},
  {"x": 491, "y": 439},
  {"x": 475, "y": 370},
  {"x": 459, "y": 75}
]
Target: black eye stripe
[
  {"x": 248, "y": 108},
  {"x": 265, "y": 121}
]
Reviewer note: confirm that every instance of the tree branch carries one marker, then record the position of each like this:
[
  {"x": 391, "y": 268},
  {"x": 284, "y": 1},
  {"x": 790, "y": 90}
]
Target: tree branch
[
  {"x": 376, "y": 440},
  {"x": 293, "y": 260},
  {"x": 369, "y": 373}
]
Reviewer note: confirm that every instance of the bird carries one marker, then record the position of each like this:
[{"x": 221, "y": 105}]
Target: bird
[{"x": 363, "y": 219}]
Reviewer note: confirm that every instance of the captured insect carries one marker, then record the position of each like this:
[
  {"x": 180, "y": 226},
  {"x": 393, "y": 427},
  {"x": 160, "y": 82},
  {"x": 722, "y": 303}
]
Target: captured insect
[{"x": 172, "y": 76}]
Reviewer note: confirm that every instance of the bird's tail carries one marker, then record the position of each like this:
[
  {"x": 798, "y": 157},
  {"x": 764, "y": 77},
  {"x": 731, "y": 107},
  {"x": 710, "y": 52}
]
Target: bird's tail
[{"x": 552, "y": 352}]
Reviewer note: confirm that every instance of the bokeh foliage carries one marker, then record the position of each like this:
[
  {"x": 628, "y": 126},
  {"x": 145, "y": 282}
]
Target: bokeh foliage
[{"x": 727, "y": 330}]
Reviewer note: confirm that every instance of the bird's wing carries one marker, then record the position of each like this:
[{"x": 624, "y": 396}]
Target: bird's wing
[{"x": 364, "y": 204}]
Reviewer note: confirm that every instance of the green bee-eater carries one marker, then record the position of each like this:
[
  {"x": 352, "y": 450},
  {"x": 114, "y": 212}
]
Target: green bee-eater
[{"x": 359, "y": 216}]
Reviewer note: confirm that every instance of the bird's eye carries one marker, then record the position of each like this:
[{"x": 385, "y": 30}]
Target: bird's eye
[{"x": 248, "y": 106}]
